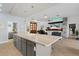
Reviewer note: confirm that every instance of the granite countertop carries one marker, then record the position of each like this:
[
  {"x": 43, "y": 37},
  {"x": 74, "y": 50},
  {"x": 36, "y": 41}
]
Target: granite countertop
[{"x": 45, "y": 40}]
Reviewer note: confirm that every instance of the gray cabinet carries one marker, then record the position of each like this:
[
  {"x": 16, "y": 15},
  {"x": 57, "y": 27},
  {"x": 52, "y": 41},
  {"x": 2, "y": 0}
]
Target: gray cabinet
[
  {"x": 15, "y": 40},
  {"x": 30, "y": 48},
  {"x": 19, "y": 43},
  {"x": 25, "y": 46}
]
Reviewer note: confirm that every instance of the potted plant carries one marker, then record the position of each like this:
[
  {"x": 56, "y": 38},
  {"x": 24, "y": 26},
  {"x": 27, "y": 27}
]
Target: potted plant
[{"x": 77, "y": 33}]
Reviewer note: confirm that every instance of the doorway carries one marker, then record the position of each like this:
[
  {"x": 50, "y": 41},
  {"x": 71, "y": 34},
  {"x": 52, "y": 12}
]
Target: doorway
[
  {"x": 12, "y": 28},
  {"x": 72, "y": 28}
]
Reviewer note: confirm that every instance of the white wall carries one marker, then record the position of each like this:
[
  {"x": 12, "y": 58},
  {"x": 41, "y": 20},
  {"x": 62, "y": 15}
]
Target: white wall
[
  {"x": 3, "y": 30},
  {"x": 72, "y": 20},
  {"x": 4, "y": 21}
]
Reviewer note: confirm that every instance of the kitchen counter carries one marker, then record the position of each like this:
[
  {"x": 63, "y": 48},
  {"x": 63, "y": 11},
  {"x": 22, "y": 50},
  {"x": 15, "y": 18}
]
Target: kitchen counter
[
  {"x": 35, "y": 44},
  {"x": 44, "y": 40}
]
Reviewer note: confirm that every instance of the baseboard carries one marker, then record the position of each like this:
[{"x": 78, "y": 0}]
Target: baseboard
[{"x": 4, "y": 42}]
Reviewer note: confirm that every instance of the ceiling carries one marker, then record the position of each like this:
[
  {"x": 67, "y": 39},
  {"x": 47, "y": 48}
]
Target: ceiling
[{"x": 24, "y": 9}]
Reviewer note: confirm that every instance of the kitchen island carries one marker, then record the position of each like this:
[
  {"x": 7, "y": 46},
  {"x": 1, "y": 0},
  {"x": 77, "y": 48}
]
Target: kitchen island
[{"x": 35, "y": 44}]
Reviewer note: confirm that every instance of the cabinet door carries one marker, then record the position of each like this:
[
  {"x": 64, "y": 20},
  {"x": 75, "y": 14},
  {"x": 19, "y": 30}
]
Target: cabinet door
[
  {"x": 19, "y": 43},
  {"x": 15, "y": 40},
  {"x": 30, "y": 48},
  {"x": 24, "y": 49}
]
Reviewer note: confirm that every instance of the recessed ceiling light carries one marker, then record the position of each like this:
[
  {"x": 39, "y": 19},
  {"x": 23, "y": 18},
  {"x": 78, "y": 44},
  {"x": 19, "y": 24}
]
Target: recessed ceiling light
[
  {"x": 32, "y": 6},
  {"x": 25, "y": 11},
  {"x": 45, "y": 17}
]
